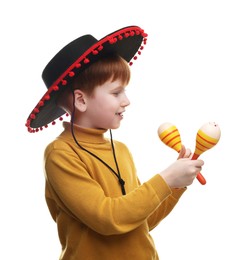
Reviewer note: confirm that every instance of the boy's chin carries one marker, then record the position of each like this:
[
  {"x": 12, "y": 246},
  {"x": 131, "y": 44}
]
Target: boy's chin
[{"x": 114, "y": 127}]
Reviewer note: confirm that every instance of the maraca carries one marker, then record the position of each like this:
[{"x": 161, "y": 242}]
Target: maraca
[
  {"x": 206, "y": 138},
  {"x": 169, "y": 135}
]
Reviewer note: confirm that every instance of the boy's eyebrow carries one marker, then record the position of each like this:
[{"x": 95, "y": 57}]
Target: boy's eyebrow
[{"x": 118, "y": 88}]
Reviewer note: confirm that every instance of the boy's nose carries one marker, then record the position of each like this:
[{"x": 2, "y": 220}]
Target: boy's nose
[{"x": 125, "y": 101}]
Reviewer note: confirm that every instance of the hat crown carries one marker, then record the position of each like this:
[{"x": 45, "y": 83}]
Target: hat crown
[{"x": 65, "y": 58}]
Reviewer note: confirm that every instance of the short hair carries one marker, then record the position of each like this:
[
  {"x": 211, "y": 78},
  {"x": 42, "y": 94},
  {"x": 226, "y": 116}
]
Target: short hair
[{"x": 110, "y": 67}]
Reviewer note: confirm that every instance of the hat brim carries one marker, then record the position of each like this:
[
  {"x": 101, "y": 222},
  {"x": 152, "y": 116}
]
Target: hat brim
[{"x": 126, "y": 42}]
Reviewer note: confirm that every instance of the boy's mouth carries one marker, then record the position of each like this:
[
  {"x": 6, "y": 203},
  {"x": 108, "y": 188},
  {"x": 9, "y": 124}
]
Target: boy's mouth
[{"x": 120, "y": 113}]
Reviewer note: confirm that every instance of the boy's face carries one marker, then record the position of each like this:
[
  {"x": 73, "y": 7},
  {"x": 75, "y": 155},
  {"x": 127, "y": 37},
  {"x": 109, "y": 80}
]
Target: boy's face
[{"x": 106, "y": 106}]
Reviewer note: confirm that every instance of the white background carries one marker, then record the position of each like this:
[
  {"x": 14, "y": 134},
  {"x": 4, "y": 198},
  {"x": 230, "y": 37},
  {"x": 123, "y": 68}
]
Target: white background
[{"x": 194, "y": 69}]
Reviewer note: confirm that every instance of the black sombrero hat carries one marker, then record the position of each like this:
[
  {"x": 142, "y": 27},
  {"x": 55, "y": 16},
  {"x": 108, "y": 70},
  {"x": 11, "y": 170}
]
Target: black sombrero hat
[{"x": 74, "y": 58}]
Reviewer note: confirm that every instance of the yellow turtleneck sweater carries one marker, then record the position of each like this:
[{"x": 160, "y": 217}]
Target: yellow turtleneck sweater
[{"x": 95, "y": 221}]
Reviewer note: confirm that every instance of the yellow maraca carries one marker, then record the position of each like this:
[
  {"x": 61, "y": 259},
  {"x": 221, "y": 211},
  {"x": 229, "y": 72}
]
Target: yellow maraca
[
  {"x": 206, "y": 138},
  {"x": 169, "y": 135}
]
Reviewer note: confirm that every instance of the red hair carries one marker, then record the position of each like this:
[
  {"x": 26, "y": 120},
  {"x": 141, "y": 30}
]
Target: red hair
[{"x": 111, "y": 67}]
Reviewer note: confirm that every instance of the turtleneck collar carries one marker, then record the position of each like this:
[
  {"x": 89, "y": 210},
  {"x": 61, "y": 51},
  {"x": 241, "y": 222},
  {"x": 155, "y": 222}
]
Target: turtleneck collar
[{"x": 85, "y": 135}]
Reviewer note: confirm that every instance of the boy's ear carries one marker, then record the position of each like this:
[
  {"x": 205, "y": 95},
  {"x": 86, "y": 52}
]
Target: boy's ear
[{"x": 80, "y": 100}]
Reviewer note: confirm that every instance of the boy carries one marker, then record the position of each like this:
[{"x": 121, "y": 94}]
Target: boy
[{"x": 92, "y": 190}]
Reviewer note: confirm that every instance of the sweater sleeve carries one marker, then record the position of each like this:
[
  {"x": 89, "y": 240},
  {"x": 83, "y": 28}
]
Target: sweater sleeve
[
  {"x": 165, "y": 208},
  {"x": 72, "y": 190}
]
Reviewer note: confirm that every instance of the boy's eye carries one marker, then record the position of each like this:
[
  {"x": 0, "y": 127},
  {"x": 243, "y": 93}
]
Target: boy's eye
[{"x": 118, "y": 92}]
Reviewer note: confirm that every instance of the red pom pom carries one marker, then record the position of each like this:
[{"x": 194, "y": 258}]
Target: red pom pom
[
  {"x": 86, "y": 60},
  {"x": 100, "y": 48},
  {"x": 41, "y": 103},
  {"x": 27, "y": 123},
  {"x": 95, "y": 52},
  {"x": 47, "y": 97},
  {"x": 72, "y": 74},
  {"x": 55, "y": 87},
  {"x": 111, "y": 41},
  {"x": 78, "y": 65},
  {"x": 64, "y": 82},
  {"x": 32, "y": 116}
]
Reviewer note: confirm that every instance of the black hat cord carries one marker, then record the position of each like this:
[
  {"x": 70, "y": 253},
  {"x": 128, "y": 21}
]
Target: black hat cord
[{"x": 118, "y": 175}]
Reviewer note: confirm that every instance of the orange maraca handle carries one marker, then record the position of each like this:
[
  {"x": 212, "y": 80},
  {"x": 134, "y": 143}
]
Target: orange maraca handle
[{"x": 199, "y": 176}]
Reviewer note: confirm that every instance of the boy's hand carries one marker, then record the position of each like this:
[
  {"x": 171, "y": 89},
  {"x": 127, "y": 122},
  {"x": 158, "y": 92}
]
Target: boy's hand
[
  {"x": 183, "y": 171},
  {"x": 184, "y": 153}
]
